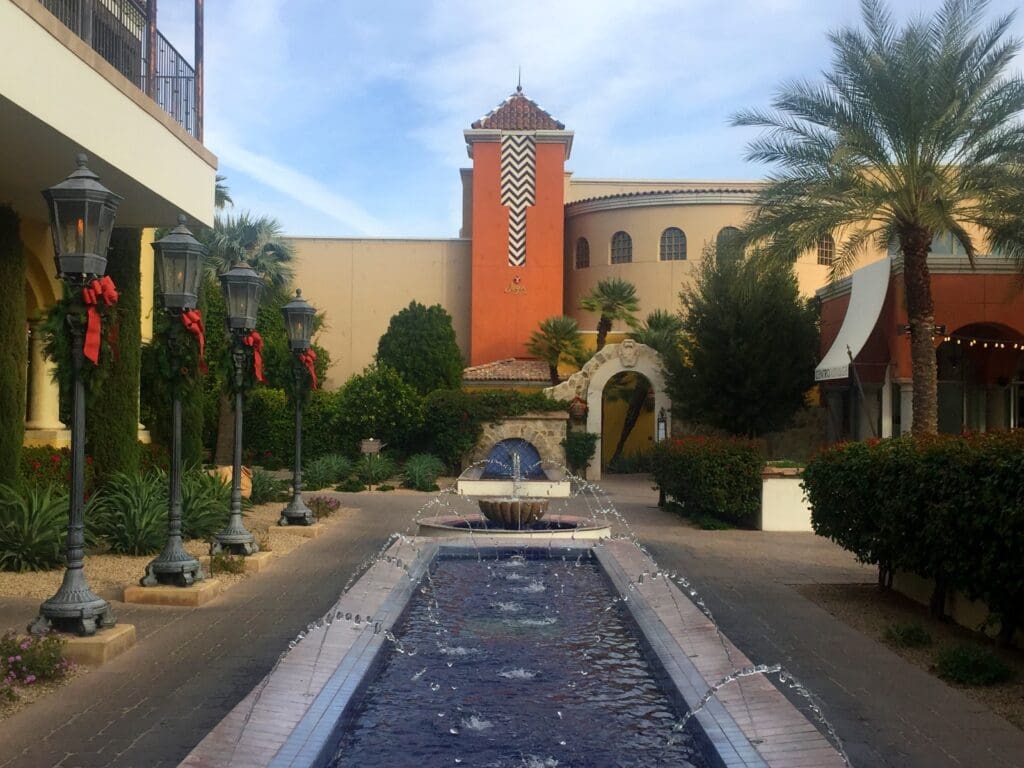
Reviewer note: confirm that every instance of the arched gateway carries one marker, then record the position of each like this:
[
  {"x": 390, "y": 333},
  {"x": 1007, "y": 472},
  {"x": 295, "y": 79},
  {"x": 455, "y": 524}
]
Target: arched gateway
[{"x": 588, "y": 384}]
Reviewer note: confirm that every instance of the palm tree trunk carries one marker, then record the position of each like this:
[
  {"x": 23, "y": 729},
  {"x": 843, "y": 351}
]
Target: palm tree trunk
[
  {"x": 636, "y": 404},
  {"x": 921, "y": 314},
  {"x": 553, "y": 373},
  {"x": 603, "y": 326},
  {"x": 223, "y": 452}
]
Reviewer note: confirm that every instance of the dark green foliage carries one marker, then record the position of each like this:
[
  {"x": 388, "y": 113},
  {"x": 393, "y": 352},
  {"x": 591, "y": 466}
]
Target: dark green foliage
[
  {"x": 630, "y": 464},
  {"x": 325, "y": 471},
  {"x": 711, "y": 477},
  {"x": 971, "y": 665},
  {"x": 112, "y": 423},
  {"x": 272, "y": 444},
  {"x": 350, "y": 485},
  {"x": 557, "y": 341},
  {"x": 373, "y": 468},
  {"x": 33, "y": 526},
  {"x": 749, "y": 346},
  {"x": 12, "y": 351},
  {"x": 945, "y": 508},
  {"x": 420, "y": 345},
  {"x": 205, "y": 501},
  {"x": 385, "y": 488},
  {"x": 378, "y": 403},
  {"x": 907, "y": 635},
  {"x": 224, "y": 562},
  {"x": 421, "y": 471},
  {"x": 265, "y": 487},
  {"x": 453, "y": 419},
  {"x": 579, "y": 450},
  {"x": 43, "y": 466},
  {"x": 131, "y": 513},
  {"x": 29, "y": 659}
]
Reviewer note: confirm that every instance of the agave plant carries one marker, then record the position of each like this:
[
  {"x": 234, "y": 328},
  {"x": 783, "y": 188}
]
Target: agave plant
[
  {"x": 326, "y": 471},
  {"x": 205, "y": 503},
  {"x": 33, "y": 524},
  {"x": 375, "y": 468},
  {"x": 131, "y": 513},
  {"x": 421, "y": 471}
]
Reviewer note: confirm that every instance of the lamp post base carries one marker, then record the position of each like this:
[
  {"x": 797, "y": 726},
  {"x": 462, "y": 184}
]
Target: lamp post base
[
  {"x": 175, "y": 567},
  {"x": 297, "y": 513},
  {"x": 234, "y": 540},
  {"x": 75, "y": 608}
]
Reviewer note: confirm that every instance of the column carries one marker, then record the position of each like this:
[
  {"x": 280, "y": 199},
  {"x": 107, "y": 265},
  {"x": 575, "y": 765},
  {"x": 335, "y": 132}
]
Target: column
[
  {"x": 906, "y": 407},
  {"x": 43, "y": 395}
]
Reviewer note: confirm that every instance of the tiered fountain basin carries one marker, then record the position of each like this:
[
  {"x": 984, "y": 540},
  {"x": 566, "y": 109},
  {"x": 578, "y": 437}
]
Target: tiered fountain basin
[
  {"x": 477, "y": 526},
  {"x": 549, "y": 484},
  {"x": 307, "y": 706}
]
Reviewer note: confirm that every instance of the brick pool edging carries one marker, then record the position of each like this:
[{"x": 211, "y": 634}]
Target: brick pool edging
[{"x": 294, "y": 718}]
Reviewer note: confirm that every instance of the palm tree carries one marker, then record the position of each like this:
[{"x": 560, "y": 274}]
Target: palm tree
[
  {"x": 614, "y": 299},
  {"x": 557, "y": 340},
  {"x": 914, "y": 133},
  {"x": 258, "y": 240},
  {"x": 662, "y": 331},
  {"x": 221, "y": 193}
]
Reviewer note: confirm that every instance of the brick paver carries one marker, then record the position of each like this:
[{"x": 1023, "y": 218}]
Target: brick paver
[{"x": 150, "y": 707}]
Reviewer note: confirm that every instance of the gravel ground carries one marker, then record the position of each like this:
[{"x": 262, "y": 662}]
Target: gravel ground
[{"x": 864, "y": 608}]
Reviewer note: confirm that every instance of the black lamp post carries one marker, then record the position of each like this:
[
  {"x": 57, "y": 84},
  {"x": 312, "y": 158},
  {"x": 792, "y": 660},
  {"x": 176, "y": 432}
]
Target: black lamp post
[
  {"x": 242, "y": 289},
  {"x": 179, "y": 267},
  {"x": 298, "y": 320},
  {"x": 82, "y": 215}
]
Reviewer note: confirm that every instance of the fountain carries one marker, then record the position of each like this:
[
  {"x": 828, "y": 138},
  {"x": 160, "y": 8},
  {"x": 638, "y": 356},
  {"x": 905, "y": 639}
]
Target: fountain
[{"x": 518, "y": 647}]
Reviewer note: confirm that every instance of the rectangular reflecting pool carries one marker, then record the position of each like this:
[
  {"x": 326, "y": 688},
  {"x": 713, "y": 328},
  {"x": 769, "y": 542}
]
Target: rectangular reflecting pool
[{"x": 514, "y": 662}]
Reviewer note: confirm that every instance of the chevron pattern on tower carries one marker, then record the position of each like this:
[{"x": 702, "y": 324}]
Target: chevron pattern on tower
[{"x": 518, "y": 189}]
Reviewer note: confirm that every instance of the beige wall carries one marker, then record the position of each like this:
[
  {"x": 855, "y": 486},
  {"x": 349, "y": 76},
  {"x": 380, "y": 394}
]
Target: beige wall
[{"x": 359, "y": 284}]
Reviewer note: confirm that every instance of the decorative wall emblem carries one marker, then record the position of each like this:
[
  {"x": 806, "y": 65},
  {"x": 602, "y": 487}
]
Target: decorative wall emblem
[
  {"x": 628, "y": 353},
  {"x": 518, "y": 189},
  {"x": 517, "y": 286}
]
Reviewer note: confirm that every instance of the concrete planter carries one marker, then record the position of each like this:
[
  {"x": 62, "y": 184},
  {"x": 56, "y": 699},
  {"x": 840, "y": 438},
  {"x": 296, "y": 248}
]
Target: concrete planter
[{"x": 784, "y": 506}]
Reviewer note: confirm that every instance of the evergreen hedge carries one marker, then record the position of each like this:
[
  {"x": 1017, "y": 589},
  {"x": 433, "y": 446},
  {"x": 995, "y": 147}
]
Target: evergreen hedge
[
  {"x": 945, "y": 508},
  {"x": 13, "y": 350},
  {"x": 112, "y": 423},
  {"x": 711, "y": 477}
]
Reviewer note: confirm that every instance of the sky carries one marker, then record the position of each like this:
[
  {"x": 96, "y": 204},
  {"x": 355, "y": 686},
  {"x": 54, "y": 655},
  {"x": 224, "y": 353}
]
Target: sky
[{"x": 345, "y": 117}]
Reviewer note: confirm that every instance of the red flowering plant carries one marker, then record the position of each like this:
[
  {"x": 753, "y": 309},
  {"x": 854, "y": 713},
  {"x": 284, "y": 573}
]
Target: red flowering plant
[{"x": 44, "y": 465}]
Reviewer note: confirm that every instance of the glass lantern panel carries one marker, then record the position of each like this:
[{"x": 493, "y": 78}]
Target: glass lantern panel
[
  {"x": 191, "y": 281},
  {"x": 105, "y": 228},
  {"x": 72, "y": 222}
]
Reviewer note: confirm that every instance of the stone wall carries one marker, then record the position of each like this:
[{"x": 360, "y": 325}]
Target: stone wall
[{"x": 545, "y": 431}]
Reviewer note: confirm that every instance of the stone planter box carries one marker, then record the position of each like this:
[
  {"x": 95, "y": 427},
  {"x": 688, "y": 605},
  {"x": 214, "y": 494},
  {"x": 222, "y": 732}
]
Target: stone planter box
[{"x": 783, "y": 504}]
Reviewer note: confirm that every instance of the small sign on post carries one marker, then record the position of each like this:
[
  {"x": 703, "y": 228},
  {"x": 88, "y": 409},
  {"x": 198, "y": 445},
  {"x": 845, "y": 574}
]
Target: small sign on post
[{"x": 370, "y": 445}]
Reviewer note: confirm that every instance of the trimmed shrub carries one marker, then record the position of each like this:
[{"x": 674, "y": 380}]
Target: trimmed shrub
[
  {"x": 420, "y": 345},
  {"x": 911, "y": 635},
  {"x": 13, "y": 350},
  {"x": 711, "y": 477},
  {"x": 971, "y": 665},
  {"x": 350, "y": 485},
  {"x": 205, "y": 502},
  {"x": 378, "y": 403},
  {"x": 421, "y": 471},
  {"x": 131, "y": 513},
  {"x": 325, "y": 471},
  {"x": 44, "y": 466},
  {"x": 272, "y": 443},
  {"x": 375, "y": 468},
  {"x": 579, "y": 450},
  {"x": 33, "y": 526}
]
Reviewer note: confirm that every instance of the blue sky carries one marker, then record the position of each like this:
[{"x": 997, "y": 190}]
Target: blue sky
[{"x": 345, "y": 118}]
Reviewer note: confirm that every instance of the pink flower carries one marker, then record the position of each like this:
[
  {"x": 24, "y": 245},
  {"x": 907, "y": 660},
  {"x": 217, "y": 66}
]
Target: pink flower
[{"x": 30, "y": 679}]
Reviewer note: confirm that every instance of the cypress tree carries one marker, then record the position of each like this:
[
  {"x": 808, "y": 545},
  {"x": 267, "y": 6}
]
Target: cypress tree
[
  {"x": 13, "y": 349},
  {"x": 113, "y": 418}
]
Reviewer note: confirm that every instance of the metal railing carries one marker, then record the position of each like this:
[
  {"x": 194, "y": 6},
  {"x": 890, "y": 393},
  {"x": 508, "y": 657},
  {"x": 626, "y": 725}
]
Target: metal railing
[{"x": 116, "y": 30}]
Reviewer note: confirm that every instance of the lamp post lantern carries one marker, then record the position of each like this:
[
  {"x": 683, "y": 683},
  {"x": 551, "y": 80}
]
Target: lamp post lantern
[
  {"x": 82, "y": 213},
  {"x": 179, "y": 267},
  {"x": 298, "y": 319},
  {"x": 243, "y": 289}
]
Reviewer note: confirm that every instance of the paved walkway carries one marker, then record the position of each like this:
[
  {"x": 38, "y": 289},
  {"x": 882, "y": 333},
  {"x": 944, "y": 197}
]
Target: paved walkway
[{"x": 148, "y": 708}]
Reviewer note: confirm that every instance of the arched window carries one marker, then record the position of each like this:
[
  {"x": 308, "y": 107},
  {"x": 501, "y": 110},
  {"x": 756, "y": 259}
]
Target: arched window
[
  {"x": 727, "y": 240},
  {"x": 582, "y": 253},
  {"x": 826, "y": 251},
  {"x": 622, "y": 248},
  {"x": 673, "y": 244}
]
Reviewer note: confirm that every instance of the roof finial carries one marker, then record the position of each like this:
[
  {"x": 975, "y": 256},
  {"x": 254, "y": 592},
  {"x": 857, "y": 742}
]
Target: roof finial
[{"x": 519, "y": 81}]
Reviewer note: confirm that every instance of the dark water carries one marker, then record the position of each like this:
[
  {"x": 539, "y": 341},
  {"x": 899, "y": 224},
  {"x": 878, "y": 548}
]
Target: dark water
[{"x": 534, "y": 666}]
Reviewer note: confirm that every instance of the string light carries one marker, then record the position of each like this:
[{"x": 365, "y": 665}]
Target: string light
[{"x": 969, "y": 341}]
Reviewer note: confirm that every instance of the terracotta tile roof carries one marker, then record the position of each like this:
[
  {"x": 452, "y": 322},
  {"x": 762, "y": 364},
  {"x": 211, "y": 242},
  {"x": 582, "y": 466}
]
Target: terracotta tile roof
[
  {"x": 518, "y": 113},
  {"x": 512, "y": 369}
]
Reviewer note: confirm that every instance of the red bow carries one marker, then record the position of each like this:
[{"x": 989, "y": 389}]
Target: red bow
[
  {"x": 255, "y": 341},
  {"x": 102, "y": 288},
  {"x": 308, "y": 358},
  {"x": 192, "y": 319}
]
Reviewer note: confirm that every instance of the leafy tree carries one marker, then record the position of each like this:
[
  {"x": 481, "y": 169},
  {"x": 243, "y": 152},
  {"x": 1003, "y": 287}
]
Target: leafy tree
[
  {"x": 614, "y": 299},
  {"x": 557, "y": 340},
  {"x": 420, "y": 344},
  {"x": 379, "y": 403},
  {"x": 748, "y": 346},
  {"x": 12, "y": 354},
  {"x": 915, "y": 132},
  {"x": 258, "y": 240}
]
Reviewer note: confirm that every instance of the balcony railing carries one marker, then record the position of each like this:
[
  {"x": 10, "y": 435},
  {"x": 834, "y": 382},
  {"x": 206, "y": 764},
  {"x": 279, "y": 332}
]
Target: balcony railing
[{"x": 117, "y": 31}]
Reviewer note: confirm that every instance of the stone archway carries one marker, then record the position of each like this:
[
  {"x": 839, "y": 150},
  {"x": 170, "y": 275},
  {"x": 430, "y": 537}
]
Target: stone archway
[{"x": 588, "y": 384}]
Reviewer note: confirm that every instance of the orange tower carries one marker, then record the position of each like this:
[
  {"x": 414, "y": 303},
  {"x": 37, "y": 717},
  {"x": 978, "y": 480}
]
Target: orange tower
[{"x": 518, "y": 208}]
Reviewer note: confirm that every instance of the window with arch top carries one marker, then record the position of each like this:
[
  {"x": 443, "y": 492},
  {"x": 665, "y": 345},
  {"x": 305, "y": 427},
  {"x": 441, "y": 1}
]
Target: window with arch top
[
  {"x": 826, "y": 251},
  {"x": 728, "y": 239},
  {"x": 622, "y": 248},
  {"x": 673, "y": 245},
  {"x": 582, "y": 253}
]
